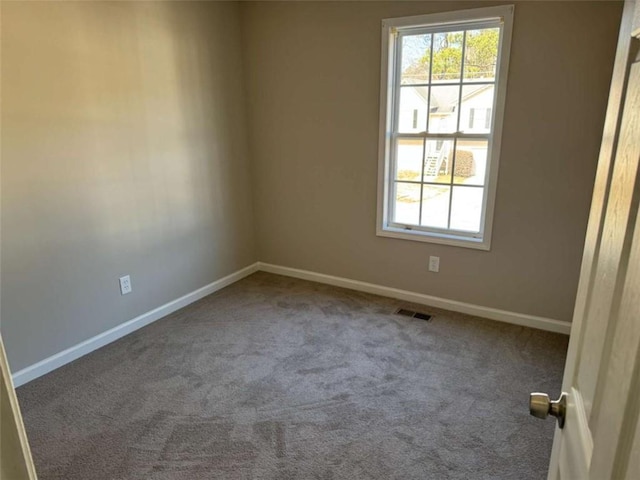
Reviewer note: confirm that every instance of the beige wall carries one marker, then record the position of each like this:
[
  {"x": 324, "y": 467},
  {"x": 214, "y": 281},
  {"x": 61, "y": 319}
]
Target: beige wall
[
  {"x": 123, "y": 152},
  {"x": 313, "y": 79}
]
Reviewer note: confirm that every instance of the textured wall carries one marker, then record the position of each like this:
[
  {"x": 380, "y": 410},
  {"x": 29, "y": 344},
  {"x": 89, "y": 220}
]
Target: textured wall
[
  {"x": 123, "y": 152},
  {"x": 313, "y": 79}
]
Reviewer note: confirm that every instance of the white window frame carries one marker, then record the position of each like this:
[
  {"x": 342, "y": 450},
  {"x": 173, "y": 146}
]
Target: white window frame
[{"x": 500, "y": 16}]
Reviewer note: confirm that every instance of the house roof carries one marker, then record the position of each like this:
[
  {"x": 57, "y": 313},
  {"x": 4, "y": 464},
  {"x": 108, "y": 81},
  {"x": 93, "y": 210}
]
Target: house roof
[{"x": 445, "y": 98}]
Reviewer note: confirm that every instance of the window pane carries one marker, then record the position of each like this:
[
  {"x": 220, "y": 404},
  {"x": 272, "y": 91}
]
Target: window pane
[
  {"x": 443, "y": 110},
  {"x": 412, "y": 114},
  {"x": 435, "y": 206},
  {"x": 409, "y": 159},
  {"x": 447, "y": 56},
  {"x": 477, "y": 108},
  {"x": 437, "y": 160},
  {"x": 471, "y": 162},
  {"x": 481, "y": 54},
  {"x": 407, "y": 205},
  {"x": 466, "y": 208},
  {"x": 416, "y": 51}
]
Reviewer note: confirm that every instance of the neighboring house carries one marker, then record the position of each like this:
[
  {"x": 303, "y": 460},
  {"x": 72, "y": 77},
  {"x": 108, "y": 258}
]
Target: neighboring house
[
  {"x": 477, "y": 101},
  {"x": 475, "y": 117}
]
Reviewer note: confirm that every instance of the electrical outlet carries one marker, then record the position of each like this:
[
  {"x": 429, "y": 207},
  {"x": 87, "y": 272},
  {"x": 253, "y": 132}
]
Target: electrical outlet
[
  {"x": 434, "y": 264},
  {"x": 125, "y": 285}
]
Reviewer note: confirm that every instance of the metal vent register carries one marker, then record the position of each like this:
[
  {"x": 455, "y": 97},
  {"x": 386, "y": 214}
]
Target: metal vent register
[{"x": 410, "y": 313}]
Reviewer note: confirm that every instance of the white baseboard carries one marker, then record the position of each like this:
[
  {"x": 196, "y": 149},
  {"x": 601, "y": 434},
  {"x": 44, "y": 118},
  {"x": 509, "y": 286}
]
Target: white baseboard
[
  {"x": 59, "y": 359},
  {"x": 521, "y": 319}
]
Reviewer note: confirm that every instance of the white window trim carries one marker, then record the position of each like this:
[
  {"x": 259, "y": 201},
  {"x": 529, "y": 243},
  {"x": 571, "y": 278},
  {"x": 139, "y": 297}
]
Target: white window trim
[{"x": 387, "y": 75}]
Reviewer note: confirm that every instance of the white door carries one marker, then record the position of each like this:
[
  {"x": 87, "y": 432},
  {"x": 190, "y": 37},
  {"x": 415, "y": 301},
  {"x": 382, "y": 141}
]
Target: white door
[
  {"x": 601, "y": 435},
  {"x": 15, "y": 455}
]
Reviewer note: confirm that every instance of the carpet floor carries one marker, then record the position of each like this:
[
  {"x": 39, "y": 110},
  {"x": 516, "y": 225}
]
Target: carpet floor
[{"x": 278, "y": 378}]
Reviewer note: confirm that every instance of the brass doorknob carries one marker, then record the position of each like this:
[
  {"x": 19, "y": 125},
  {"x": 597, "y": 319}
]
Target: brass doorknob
[{"x": 541, "y": 406}]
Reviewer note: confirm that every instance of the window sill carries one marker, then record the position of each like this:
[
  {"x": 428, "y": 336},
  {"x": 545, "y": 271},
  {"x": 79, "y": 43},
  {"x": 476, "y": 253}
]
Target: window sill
[{"x": 429, "y": 237}]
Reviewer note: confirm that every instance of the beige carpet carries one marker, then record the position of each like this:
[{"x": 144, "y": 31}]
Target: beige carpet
[{"x": 277, "y": 378}]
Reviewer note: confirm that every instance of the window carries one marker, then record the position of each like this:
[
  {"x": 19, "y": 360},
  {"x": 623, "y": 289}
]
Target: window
[
  {"x": 475, "y": 114},
  {"x": 442, "y": 100}
]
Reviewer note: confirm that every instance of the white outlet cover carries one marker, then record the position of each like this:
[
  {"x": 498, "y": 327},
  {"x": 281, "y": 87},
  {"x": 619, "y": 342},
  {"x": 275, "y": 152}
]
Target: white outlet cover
[
  {"x": 434, "y": 264},
  {"x": 125, "y": 285}
]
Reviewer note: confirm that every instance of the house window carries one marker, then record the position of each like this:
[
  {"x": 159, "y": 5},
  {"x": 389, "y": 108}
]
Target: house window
[
  {"x": 479, "y": 113},
  {"x": 442, "y": 99}
]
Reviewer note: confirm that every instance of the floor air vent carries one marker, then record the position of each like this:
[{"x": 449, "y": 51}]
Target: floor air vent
[{"x": 411, "y": 313}]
